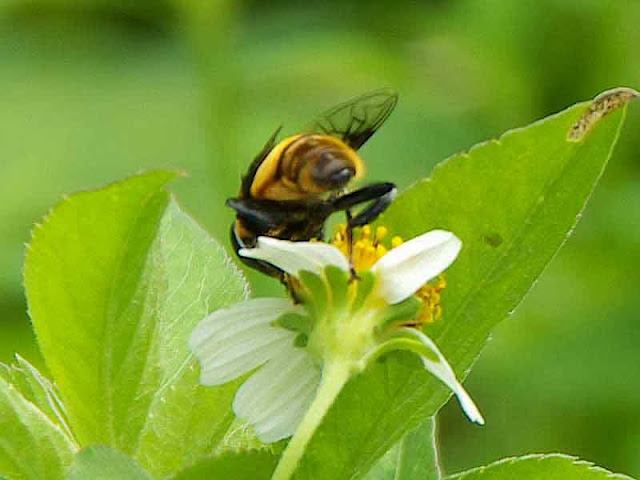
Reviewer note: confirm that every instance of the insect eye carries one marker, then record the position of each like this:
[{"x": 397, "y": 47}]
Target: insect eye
[{"x": 332, "y": 172}]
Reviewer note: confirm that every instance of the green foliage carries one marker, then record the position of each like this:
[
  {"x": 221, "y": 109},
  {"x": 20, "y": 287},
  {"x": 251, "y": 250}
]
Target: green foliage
[
  {"x": 512, "y": 202},
  {"x": 417, "y": 457},
  {"x": 412, "y": 458},
  {"x": 32, "y": 446},
  {"x": 105, "y": 463},
  {"x": 37, "y": 389},
  {"x": 116, "y": 280},
  {"x": 539, "y": 467},
  {"x": 86, "y": 293},
  {"x": 185, "y": 419},
  {"x": 249, "y": 465}
]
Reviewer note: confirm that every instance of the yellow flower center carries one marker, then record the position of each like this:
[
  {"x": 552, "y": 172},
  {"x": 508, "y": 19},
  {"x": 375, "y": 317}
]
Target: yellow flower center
[
  {"x": 369, "y": 247},
  {"x": 429, "y": 295}
]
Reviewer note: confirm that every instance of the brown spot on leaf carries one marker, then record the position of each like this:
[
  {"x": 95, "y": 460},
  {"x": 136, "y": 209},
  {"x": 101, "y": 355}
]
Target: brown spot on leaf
[
  {"x": 493, "y": 239},
  {"x": 603, "y": 104}
]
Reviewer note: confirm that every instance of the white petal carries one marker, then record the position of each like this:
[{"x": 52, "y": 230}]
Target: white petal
[
  {"x": 238, "y": 359},
  {"x": 235, "y": 340},
  {"x": 403, "y": 270},
  {"x": 295, "y": 256},
  {"x": 443, "y": 371},
  {"x": 276, "y": 397},
  {"x": 295, "y": 412},
  {"x": 230, "y": 320}
]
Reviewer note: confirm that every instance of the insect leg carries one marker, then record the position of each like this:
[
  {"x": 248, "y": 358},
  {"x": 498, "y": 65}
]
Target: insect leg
[
  {"x": 379, "y": 194},
  {"x": 349, "y": 233},
  {"x": 259, "y": 216},
  {"x": 253, "y": 220},
  {"x": 239, "y": 243}
]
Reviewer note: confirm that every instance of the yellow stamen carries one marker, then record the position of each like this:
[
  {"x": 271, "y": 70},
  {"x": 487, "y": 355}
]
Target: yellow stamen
[
  {"x": 429, "y": 295},
  {"x": 367, "y": 246},
  {"x": 381, "y": 232},
  {"x": 368, "y": 249}
]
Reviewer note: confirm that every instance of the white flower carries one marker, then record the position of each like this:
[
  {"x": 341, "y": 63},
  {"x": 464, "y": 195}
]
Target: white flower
[{"x": 234, "y": 341}]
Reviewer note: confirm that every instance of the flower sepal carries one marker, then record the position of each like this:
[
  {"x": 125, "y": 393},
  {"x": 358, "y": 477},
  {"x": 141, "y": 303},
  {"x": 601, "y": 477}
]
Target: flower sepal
[
  {"x": 296, "y": 322},
  {"x": 415, "y": 341},
  {"x": 401, "y": 314}
]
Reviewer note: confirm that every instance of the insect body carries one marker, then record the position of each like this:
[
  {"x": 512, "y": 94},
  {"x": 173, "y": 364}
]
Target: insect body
[{"x": 294, "y": 185}]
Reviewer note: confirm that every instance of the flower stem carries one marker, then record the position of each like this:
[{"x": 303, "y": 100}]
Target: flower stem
[{"x": 334, "y": 376}]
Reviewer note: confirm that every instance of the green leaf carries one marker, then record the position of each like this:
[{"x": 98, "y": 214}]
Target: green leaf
[
  {"x": 417, "y": 458},
  {"x": 249, "y": 465},
  {"x": 116, "y": 280},
  {"x": 186, "y": 420},
  {"x": 539, "y": 467},
  {"x": 37, "y": 389},
  {"x": 105, "y": 463},
  {"x": 386, "y": 466},
  {"x": 412, "y": 458},
  {"x": 32, "y": 447},
  {"x": 513, "y": 202},
  {"x": 82, "y": 273}
]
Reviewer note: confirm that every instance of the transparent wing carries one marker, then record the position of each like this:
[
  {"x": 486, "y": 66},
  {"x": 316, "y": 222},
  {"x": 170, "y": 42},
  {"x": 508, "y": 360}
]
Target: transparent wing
[{"x": 357, "y": 119}]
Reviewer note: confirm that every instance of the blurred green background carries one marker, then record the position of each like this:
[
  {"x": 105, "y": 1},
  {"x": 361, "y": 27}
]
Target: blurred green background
[{"x": 94, "y": 90}]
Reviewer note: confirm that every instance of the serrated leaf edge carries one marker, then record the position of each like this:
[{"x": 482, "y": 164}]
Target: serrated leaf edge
[
  {"x": 41, "y": 416},
  {"x": 541, "y": 457}
]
